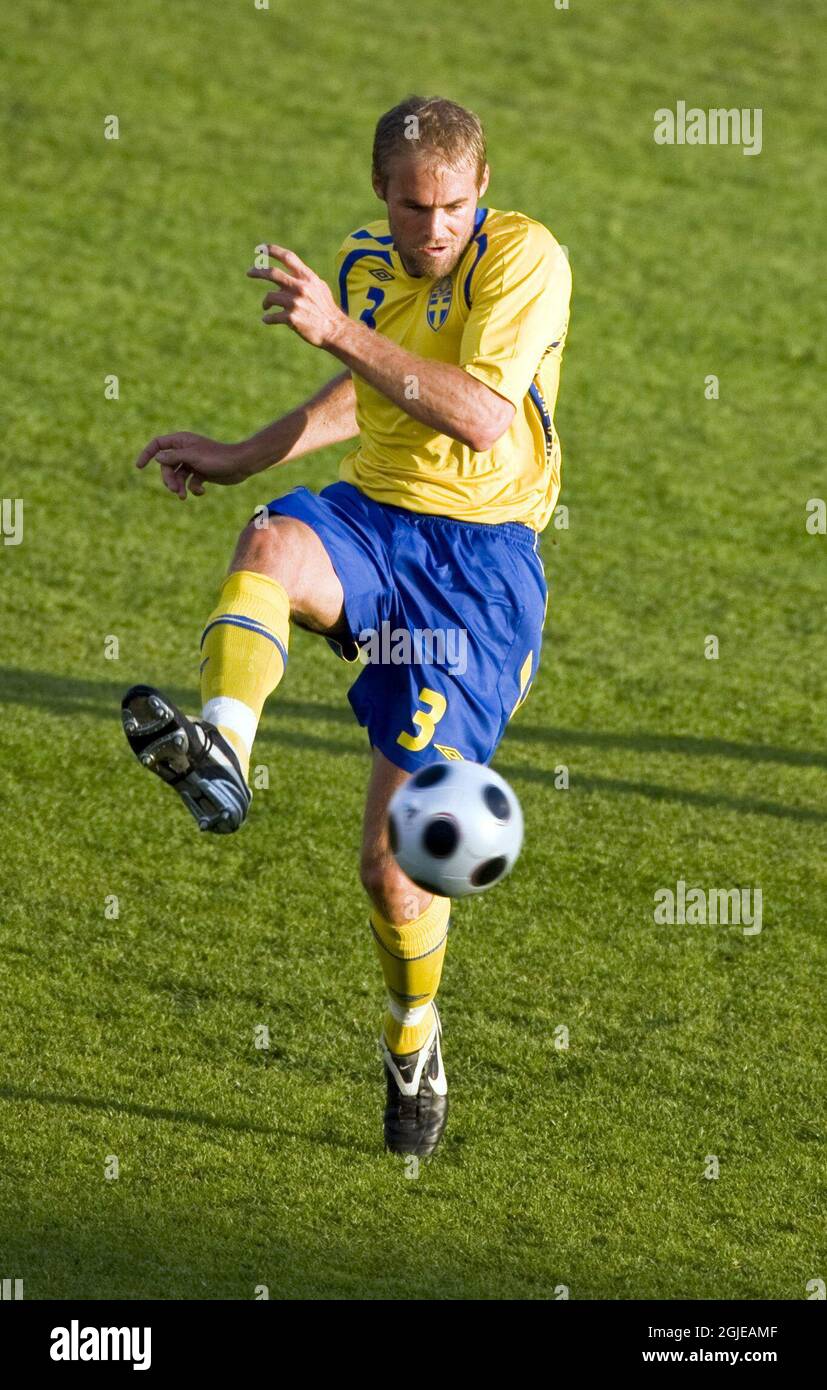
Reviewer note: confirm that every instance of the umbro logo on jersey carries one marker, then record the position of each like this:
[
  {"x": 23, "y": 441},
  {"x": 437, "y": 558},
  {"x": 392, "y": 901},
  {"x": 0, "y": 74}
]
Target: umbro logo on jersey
[
  {"x": 381, "y": 274},
  {"x": 452, "y": 754}
]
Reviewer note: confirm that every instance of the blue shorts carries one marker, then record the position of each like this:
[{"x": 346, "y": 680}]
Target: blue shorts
[{"x": 446, "y": 615}]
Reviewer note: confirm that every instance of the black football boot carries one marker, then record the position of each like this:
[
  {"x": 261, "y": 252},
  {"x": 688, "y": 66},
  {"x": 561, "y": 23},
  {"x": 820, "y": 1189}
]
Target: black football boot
[
  {"x": 190, "y": 755},
  {"x": 417, "y": 1103}
]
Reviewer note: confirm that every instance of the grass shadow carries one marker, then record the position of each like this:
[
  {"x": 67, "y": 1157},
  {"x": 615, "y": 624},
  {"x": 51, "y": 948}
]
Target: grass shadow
[{"x": 64, "y": 695}]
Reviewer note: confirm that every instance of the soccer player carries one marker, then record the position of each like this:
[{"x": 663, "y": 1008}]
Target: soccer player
[{"x": 450, "y": 324}]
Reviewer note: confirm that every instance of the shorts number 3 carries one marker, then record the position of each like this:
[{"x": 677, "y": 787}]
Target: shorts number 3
[{"x": 424, "y": 720}]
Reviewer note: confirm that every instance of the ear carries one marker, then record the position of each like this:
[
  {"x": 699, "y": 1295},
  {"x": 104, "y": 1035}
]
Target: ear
[
  {"x": 379, "y": 187},
  {"x": 486, "y": 175}
]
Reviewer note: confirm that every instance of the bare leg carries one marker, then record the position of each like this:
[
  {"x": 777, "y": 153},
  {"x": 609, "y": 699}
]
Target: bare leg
[
  {"x": 390, "y": 890},
  {"x": 209, "y": 769},
  {"x": 290, "y": 551}
]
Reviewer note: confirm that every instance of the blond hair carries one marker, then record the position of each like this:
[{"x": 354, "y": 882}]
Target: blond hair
[{"x": 432, "y": 127}]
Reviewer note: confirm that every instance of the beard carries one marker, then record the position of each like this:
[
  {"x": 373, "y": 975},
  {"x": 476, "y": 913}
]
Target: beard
[{"x": 419, "y": 263}]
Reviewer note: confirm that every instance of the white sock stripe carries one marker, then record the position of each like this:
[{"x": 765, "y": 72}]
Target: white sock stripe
[
  {"x": 407, "y": 1017},
  {"x": 233, "y": 714}
]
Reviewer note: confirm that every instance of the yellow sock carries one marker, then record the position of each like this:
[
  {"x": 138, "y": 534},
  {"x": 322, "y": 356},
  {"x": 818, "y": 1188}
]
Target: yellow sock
[
  {"x": 243, "y": 656},
  {"x": 411, "y": 957}
]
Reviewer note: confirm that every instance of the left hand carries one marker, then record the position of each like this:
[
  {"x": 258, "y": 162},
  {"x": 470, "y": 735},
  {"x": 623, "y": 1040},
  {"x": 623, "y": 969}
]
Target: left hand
[{"x": 307, "y": 304}]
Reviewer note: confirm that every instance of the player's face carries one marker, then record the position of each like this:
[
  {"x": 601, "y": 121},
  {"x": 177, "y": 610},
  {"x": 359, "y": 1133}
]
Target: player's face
[{"x": 430, "y": 212}]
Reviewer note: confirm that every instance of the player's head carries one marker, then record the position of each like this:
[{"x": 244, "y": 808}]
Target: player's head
[{"x": 429, "y": 166}]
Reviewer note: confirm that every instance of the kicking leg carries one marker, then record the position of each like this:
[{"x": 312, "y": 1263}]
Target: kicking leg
[
  {"x": 410, "y": 929},
  {"x": 279, "y": 571}
]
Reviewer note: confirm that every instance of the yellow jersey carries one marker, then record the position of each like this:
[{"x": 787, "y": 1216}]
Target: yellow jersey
[{"x": 502, "y": 314}]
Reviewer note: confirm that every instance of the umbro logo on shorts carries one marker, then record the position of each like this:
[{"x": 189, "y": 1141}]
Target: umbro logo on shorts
[{"x": 452, "y": 754}]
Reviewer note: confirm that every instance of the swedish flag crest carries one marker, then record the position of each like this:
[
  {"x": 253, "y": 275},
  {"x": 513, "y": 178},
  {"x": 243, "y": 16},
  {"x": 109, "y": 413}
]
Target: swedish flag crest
[{"x": 439, "y": 302}]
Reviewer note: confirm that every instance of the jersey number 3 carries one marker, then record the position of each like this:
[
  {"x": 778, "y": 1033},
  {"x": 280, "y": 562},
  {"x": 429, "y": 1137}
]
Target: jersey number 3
[{"x": 376, "y": 297}]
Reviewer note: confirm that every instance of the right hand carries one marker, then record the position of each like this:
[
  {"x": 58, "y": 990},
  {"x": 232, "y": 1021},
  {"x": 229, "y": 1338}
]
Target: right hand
[{"x": 194, "y": 459}]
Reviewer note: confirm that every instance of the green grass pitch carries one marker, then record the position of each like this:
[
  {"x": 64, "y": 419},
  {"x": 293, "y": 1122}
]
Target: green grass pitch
[{"x": 133, "y": 1036}]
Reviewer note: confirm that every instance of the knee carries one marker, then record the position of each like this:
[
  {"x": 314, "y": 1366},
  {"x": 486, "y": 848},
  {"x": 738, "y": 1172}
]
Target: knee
[
  {"x": 260, "y": 538},
  {"x": 376, "y": 873},
  {"x": 268, "y": 546},
  {"x": 389, "y": 889}
]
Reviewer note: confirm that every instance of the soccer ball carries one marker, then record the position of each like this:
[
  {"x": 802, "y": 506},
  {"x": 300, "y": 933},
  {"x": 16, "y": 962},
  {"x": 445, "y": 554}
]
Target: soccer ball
[{"x": 455, "y": 828}]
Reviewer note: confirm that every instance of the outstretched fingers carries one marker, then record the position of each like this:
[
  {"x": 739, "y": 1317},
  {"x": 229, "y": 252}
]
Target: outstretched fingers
[
  {"x": 299, "y": 270},
  {"x": 288, "y": 258},
  {"x": 165, "y": 448},
  {"x": 161, "y": 441}
]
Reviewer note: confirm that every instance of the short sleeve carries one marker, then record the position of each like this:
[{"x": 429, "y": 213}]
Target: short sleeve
[
  {"x": 519, "y": 309},
  {"x": 339, "y": 274}
]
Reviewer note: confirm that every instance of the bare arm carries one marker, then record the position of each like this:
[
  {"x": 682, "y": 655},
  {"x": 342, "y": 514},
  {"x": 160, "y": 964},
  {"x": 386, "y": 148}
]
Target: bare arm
[
  {"x": 440, "y": 394},
  {"x": 446, "y": 397},
  {"x": 328, "y": 417}
]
